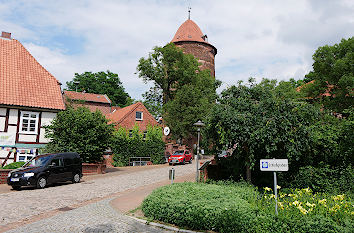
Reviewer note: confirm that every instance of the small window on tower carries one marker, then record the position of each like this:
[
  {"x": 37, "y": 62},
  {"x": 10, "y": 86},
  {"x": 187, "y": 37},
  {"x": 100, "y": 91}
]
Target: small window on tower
[{"x": 139, "y": 116}]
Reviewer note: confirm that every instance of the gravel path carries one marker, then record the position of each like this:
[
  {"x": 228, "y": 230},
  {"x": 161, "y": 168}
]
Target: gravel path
[
  {"x": 96, "y": 217},
  {"x": 21, "y": 205}
]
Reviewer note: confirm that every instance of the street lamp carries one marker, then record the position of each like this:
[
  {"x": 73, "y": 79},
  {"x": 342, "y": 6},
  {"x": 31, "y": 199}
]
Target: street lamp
[
  {"x": 199, "y": 124},
  {"x": 76, "y": 83}
]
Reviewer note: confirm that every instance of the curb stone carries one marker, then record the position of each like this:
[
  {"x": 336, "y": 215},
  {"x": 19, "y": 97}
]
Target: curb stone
[{"x": 162, "y": 225}]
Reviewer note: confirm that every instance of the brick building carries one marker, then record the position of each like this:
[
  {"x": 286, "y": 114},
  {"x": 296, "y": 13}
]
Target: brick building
[
  {"x": 190, "y": 38},
  {"x": 128, "y": 116},
  {"x": 91, "y": 101}
]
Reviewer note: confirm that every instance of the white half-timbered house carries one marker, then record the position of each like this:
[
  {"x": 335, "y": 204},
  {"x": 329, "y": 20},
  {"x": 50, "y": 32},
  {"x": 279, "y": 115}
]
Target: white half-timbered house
[{"x": 30, "y": 97}]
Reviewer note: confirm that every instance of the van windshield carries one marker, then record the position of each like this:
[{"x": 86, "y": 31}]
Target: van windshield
[{"x": 38, "y": 161}]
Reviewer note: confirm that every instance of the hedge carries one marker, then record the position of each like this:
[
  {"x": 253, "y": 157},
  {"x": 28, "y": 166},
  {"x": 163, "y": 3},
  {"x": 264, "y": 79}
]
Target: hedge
[
  {"x": 133, "y": 144},
  {"x": 14, "y": 165}
]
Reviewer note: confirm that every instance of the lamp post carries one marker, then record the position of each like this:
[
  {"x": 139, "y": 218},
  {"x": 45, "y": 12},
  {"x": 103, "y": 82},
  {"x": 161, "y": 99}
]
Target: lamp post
[
  {"x": 199, "y": 124},
  {"x": 76, "y": 84}
]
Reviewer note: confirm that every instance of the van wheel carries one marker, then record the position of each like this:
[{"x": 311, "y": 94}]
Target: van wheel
[
  {"x": 76, "y": 178},
  {"x": 41, "y": 182}
]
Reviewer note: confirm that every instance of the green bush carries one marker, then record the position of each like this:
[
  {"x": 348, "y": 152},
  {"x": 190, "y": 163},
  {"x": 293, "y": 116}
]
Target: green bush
[
  {"x": 214, "y": 207},
  {"x": 325, "y": 179},
  {"x": 239, "y": 207},
  {"x": 79, "y": 130},
  {"x": 14, "y": 165},
  {"x": 132, "y": 144}
]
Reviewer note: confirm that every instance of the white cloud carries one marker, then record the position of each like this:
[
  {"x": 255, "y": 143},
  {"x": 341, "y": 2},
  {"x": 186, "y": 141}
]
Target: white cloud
[{"x": 273, "y": 39}]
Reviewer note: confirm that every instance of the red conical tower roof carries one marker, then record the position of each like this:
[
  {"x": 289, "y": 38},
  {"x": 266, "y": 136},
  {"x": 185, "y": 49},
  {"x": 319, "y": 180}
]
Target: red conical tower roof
[{"x": 189, "y": 31}]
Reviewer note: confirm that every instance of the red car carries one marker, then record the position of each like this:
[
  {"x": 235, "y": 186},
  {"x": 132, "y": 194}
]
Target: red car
[{"x": 181, "y": 157}]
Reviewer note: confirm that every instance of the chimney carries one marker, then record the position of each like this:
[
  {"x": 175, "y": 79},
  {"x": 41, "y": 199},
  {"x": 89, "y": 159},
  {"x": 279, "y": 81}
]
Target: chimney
[{"x": 6, "y": 35}]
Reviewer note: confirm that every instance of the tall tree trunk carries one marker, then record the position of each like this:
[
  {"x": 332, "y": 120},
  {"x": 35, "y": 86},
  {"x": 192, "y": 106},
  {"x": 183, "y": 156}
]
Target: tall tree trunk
[{"x": 248, "y": 174}]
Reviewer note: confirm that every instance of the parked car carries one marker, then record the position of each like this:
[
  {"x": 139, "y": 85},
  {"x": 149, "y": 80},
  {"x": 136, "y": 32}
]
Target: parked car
[
  {"x": 224, "y": 154},
  {"x": 181, "y": 157},
  {"x": 47, "y": 169}
]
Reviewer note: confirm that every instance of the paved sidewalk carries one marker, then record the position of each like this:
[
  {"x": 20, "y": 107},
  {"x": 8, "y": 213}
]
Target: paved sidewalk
[
  {"x": 96, "y": 217},
  {"x": 132, "y": 199},
  {"x": 96, "y": 205}
]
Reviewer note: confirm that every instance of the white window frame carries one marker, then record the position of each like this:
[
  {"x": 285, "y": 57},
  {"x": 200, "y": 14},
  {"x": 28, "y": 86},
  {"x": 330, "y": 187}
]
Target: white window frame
[
  {"x": 139, "y": 119},
  {"x": 28, "y": 118}
]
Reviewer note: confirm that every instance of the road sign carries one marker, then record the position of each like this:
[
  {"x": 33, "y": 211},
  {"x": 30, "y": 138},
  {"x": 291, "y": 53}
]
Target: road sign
[
  {"x": 166, "y": 131},
  {"x": 274, "y": 165}
]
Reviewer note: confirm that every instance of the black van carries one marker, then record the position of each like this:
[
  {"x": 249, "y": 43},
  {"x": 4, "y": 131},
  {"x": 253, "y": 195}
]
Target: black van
[{"x": 46, "y": 169}]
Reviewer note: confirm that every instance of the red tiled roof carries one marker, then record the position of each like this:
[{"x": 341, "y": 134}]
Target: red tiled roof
[
  {"x": 189, "y": 31},
  {"x": 119, "y": 114},
  {"x": 329, "y": 88},
  {"x": 115, "y": 108},
  {"x": 87, "y": 96},
  {"x": 23, "y": 81}
]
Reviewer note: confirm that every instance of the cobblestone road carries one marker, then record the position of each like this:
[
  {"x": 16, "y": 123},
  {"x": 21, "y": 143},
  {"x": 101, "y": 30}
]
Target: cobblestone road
[
  {"x": 97, "y": 217},
  {"x": 17, "y": 206}
]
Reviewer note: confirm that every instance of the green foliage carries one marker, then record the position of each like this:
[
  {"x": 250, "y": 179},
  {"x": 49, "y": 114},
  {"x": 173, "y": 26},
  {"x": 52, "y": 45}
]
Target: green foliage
[
  {"x": 169, "y": 68},
  {"x": 153, "y": 101},
  {"x": 185, "y": 92},
  {"x": 13, "y": 165},
  {"x": 305, "y": 210},
  {"x": 326, "y": 179},
  {"x": 333, "y": 73},
  {"x": 79, "y": 130},
  {"x": 325, "y": 134},
  {"x": 260, "y": 125},
  {"x": 101, "y": 83},
  {"x": 346, "y": 137},
  {"x": 133, "y": 144},
  {"x": 238, "y": 207},
  {"x": 287, "y": 89},
  {"x": 192, "y": 102}
]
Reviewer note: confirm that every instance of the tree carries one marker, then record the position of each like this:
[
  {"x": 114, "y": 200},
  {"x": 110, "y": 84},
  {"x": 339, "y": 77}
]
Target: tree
[
  {"x": 332, "y": 80},
  {"x": 185, "y": 92},
  {"x": 192, "y": 102},
  {"x": 79, "y": 130},
  {"x": 153, "y": 101},
  {"x": 257, "y": 124},
  {"x": 168, "y": 68},
  {"x": 101, "y": 83}
]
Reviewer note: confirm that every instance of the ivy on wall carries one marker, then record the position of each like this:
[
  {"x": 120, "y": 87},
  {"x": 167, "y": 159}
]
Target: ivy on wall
[{"x": 132, "y": 143}]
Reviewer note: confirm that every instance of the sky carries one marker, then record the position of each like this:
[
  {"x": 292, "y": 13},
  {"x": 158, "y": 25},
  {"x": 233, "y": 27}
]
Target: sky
[{"x": 260, "y": 38}]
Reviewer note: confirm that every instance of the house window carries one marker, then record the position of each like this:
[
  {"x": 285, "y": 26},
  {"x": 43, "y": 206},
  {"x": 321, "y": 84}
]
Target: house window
[
  {"x": 139, "y": 116},
  {"x": 29, "y": 122}
]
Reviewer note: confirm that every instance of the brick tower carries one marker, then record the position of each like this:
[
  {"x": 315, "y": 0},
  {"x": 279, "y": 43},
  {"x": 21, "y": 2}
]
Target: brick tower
[{"x": 193, "y": 41}]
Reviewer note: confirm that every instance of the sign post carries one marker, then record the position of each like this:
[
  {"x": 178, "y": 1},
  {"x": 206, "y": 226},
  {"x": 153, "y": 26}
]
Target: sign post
[
  {"x": 171, "y": 175},
  {"x": 274, "y": 165},
  {"x": 275, "y": 193}
]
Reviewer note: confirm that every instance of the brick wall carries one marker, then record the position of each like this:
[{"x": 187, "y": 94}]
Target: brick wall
[
  {"x": 130, "y": 121},
  {"x": 3, "y": 175},
  {"x": 93, "y": 168},
  {"x": 108, "y": 160},
  {"x": 204, "y": 52}
]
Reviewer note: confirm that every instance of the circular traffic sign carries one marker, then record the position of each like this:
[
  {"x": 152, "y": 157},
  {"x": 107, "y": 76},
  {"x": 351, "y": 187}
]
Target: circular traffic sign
[{"x": 166, "y": 131}]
